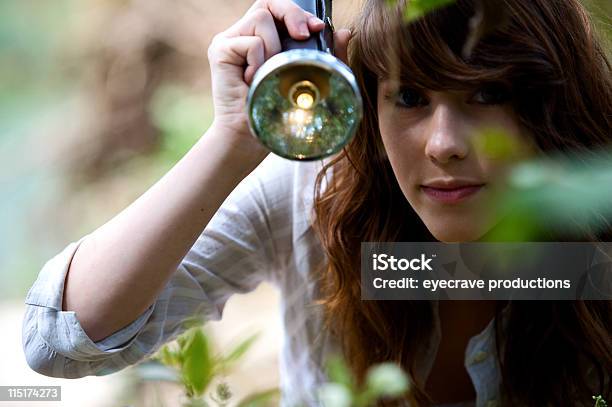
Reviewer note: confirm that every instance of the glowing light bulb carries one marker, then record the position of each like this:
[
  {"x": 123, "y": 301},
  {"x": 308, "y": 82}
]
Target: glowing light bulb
[{"x": 305, "y": 100}]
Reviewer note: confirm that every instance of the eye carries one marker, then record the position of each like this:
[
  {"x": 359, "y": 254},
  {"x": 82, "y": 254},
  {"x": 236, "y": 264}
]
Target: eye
[
  {"x": 492, "y": 94},
  {"x": 410, "y": 98}
]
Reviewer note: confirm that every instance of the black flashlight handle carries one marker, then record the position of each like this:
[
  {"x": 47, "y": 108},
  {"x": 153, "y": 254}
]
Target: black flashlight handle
[{"x": 323, "y": 40}]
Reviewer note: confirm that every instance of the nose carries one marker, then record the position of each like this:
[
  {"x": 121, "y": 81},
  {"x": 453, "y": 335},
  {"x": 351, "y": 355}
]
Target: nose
[{"x": 447, "y": 135}]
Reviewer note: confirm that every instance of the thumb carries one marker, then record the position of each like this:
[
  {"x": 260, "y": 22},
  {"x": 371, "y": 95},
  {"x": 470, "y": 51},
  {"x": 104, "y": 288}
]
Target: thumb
[{"x": 341, "y": 40}]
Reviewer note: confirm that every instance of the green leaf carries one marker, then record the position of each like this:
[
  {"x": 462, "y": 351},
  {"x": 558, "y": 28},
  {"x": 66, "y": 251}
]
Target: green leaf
[
  {"x": 239, "y": 351},
  {"x": 338, "y": 372},
  {"x": 599, "y": 401},
  {"x": 386, "y": 380},
  {"x": 198, "y": 365},
  {"x": 416, "y": 9},
  {"x": 496, "y": 143},
  {"x": 259, "y": 399},
  {"x": 169, "y": 356},
  {"x": 335, "y": 395}
]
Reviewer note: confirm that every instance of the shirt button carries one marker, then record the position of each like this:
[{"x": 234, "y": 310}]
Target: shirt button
[
  {"x": 479, "y": 357},
  {"x": 492, "y": 403}
]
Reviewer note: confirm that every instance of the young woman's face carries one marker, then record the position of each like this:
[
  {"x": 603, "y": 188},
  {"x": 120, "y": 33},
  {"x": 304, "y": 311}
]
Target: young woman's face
[{"x": 431, "y": 142}]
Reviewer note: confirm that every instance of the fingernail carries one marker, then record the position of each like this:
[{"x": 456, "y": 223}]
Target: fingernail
[{"x": 304, "y": 30}]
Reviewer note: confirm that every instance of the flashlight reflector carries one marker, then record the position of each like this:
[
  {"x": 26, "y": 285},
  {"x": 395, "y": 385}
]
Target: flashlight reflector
[{"x": 304, "y": 104}]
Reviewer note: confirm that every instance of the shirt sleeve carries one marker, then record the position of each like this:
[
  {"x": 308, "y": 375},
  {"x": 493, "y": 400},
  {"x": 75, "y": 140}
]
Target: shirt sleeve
[{"x": 234, "y": 254}]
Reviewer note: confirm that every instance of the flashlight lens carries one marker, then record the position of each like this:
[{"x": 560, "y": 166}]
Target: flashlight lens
[{"x": 305, "y": 124}]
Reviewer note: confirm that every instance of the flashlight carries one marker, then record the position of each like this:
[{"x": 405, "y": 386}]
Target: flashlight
[{"x": 304, "y": 103}]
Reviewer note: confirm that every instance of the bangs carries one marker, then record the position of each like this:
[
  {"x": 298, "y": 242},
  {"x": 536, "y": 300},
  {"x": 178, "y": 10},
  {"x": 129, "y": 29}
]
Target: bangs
[{"x": 429, "y": 52}]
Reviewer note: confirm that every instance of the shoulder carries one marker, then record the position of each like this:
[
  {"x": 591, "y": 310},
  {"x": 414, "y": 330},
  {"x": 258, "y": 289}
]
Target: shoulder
[
  {"x": 277, "y": 174},
  {"x": 279, "y": 185}
]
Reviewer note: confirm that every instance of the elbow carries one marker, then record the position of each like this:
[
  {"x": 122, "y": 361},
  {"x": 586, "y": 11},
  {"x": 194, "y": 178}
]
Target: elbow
[
  {"x": 41, "y": 364},
  {"x": 38, "y": 354}
]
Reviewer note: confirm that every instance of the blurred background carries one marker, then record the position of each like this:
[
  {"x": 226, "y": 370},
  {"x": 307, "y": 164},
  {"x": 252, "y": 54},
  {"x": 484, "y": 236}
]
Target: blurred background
[{"x": 98, "y": 99}]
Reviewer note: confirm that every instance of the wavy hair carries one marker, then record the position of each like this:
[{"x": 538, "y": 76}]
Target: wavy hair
[{"x": 548, "y": 53}]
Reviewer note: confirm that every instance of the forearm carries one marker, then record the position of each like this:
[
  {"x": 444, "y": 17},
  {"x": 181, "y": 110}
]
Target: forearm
[{"x": 118, "y": 271}]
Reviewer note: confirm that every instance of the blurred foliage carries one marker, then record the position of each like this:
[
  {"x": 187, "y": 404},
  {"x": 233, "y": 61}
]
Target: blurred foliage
[
  {"x": 418, "y": 8},
  {"x": 555, "y": 196},
  {"x": 383, "y": 381},
  {"x": 561, "y": 195},
  {"x": 600, "y": 12},
  {"x": 496, "y": 144},
  {"x": 198, "y": 366}
]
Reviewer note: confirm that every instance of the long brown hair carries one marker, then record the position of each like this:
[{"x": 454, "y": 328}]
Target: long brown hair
[{"x": 561, "y": 81}]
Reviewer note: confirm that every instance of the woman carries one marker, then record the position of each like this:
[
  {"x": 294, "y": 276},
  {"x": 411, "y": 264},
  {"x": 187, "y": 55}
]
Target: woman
[
  {"x": 412, "y": 173},
  {"x": 543, "y": 78}
]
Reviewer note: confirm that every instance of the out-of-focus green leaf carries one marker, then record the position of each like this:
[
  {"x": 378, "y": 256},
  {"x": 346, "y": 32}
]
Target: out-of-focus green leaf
[
  {"x": 387, "y": 380},
  {"x": 416, "y": 9},
  {"x": 335, "y": 395},
  {"x": 198, "y": 365},
  {"x": 599, "y": 401},
  {"x": 169, "y": 356},
  {"x": 240, "y": 349},
  {"x": 558, "y": 194},
  {"x": 338, "y": 372},
  {"x": 496, "y": 143},
  {"x": 264, "y": 398}
]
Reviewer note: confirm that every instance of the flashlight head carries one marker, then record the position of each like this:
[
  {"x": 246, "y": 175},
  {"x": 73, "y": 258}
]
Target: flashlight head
[{"x": 304, "y": 104}]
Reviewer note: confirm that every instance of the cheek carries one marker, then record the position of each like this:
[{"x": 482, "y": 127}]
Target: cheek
[{"x": 404, "y": 152}]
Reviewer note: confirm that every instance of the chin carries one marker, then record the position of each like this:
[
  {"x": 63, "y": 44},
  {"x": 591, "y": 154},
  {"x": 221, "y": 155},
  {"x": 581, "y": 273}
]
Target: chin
[{"x": 459, "y": 231}]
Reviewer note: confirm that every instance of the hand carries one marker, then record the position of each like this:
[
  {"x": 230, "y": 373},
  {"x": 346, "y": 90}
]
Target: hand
[{"x": 236, "y": 53}]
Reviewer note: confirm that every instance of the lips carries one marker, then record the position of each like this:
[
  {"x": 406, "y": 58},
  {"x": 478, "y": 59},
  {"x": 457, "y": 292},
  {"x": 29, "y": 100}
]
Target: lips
[{"x": 451, "y": 191}]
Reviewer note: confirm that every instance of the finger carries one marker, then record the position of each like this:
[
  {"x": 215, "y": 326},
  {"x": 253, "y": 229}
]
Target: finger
[
  {"x": 241, "y": 51},
  {"x": 315, "y": 24},
  {"x": 341, "y": 40},
  {"x": 258, "y": 22},
  {"x": 299, "y": 23}
]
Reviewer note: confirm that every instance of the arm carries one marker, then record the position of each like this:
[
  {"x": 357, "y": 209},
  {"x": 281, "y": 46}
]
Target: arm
[
  {"x": 235, "y": 253},
  {"x": 118, "y": 270}
]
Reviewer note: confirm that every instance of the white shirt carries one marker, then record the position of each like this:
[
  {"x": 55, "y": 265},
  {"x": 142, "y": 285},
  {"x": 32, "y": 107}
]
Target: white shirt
[{"x": 262, "y": 232}]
